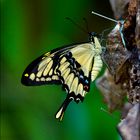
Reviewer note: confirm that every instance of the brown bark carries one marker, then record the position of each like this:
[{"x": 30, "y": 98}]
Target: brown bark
[{"x": 122, "y": 79}]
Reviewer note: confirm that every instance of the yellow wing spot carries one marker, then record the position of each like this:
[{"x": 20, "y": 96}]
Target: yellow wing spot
[
  {"x": 32, "y": 76},
  {"x": 37, "y": 79},
  {"x": 63, "y": 60},
  {"x": 43, "y": 57},
  {"x": 60, "y": 114},
  {"x": 26, "y": 75},
  {"x": 42, "y": 79},
  {"x": 55, "y": 77},
  {"x": 47, "y": 54}
]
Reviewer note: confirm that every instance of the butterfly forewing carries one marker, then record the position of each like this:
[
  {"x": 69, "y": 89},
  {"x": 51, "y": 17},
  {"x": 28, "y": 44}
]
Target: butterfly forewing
[
  {"x": 65, "y": 64},
  {"x": 42, "y": 70}
]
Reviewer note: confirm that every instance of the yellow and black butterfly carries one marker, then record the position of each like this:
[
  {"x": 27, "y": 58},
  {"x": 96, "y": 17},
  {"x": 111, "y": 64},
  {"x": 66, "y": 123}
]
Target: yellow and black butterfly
[{"x": 74, "y": 66}]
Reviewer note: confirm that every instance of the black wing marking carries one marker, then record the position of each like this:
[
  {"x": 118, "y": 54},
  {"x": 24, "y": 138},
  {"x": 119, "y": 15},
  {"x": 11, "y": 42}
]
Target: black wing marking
[
  {"x": 74, "y": 71},
  {"x": 42, "y": 70},
  {"x": 70, "y": 66}
]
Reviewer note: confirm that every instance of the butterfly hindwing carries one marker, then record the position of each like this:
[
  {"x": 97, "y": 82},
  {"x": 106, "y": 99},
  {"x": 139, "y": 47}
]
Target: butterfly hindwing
[
  {"x": 75, "y": 68},
  {"x": 75, "y": 74}
]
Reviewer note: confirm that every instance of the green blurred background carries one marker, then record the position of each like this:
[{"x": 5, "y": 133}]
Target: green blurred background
[{"x": 30, "y": 28}]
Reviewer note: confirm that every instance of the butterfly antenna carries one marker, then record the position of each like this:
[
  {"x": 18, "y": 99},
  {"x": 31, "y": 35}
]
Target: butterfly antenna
[
  {"x": 86, "y": 23},
  {"x": 111, "y": 19},
  {"x": 72, "y": 21}
]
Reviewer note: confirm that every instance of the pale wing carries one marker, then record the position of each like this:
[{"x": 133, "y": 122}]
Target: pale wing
[
  {"x": 43, "y": 69},
  {"x": 75, "y": 72}
]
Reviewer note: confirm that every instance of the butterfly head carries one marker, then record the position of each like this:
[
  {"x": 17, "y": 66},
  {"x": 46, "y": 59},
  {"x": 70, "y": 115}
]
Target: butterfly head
[{"x": 92, "y": 35}]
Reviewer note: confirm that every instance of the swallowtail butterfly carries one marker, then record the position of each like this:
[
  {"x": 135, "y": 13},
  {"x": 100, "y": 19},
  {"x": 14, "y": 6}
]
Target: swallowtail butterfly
[{"x": 74, "y": 67}]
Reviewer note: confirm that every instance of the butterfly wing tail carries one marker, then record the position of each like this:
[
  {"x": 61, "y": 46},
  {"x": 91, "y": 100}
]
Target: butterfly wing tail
[{"x": 61, "y": 111}]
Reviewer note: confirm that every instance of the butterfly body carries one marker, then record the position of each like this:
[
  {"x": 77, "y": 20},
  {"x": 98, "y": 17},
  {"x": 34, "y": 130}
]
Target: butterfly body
[{"x": 73, "y": 66}]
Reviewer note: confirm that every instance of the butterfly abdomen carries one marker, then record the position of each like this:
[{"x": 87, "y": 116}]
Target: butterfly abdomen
[{"x": 96, "y": 67}]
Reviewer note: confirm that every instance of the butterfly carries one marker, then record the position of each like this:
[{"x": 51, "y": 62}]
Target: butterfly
[{"x": 74, "y": 67}]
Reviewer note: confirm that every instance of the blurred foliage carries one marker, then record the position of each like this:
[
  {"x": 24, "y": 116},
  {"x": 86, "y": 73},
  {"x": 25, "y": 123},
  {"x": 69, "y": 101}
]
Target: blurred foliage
[{"x": 30, "y": 28}]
